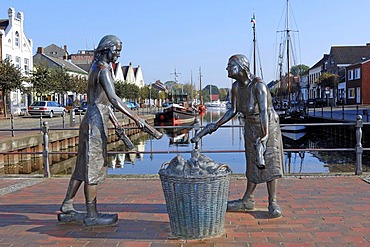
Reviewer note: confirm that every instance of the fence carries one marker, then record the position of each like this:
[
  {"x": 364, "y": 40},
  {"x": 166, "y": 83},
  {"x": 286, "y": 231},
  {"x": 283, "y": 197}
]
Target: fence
[{"x": 358, "y": 149}]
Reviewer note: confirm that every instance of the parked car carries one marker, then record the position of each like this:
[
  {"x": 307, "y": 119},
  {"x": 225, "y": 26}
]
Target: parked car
[
  {"x": 165, "y": 104},
  {"x": 82, "y": 108},
  {"x": 46, "y": 108},
  {"x": 130, "y": 105},
  {"x": 136, "y": 105}
]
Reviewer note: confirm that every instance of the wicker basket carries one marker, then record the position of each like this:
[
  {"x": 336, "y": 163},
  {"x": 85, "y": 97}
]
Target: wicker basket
[{"x": 196, "y": 205}]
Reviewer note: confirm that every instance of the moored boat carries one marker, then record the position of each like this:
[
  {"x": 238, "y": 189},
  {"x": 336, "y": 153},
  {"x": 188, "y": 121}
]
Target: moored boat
[{"x": 176, "y": 114}]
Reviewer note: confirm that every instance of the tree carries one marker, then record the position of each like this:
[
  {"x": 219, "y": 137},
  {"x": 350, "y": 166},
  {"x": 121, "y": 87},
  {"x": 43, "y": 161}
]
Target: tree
[
  {"x": 299, "y": 69},
  {"x": 329, "y": 80},
  {"x": 10, "y": 78},
  {"x": 40, "y": 79}
]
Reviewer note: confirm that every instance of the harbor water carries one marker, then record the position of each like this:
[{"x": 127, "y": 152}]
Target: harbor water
[{"x": 224, "y": 143}]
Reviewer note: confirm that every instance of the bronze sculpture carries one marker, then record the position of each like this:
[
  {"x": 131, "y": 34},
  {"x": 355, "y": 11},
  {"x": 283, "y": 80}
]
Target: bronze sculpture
[
  {"x": 91, "y": 164},
  {"x": 251, "y": 98}
]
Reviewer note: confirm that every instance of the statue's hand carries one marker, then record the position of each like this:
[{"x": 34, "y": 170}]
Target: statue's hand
[
  {"x": 140, "y": 123},
  {"x": 209, "y": 129},
  {"x": 260, "y": 146}
]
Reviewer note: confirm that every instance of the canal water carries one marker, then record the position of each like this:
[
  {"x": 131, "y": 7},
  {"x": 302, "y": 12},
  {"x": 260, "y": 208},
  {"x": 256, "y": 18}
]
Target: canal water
[
  {"x": 224, "y": 146},
  {"x": 231, "y": 138}
]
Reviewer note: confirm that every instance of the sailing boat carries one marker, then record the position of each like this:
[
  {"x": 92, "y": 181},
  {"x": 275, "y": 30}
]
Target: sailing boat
[{"x": 286, "y": 106}]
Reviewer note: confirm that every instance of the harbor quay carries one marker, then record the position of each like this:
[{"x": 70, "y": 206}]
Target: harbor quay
[{"x": 317, "y": 211}]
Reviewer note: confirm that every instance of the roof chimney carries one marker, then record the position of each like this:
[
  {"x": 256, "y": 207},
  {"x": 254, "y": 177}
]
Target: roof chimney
[{"x": 40, "y": 50}]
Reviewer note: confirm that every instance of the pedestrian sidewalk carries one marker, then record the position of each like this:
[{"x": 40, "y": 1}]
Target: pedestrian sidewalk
[{"x": 317, "y": 211}]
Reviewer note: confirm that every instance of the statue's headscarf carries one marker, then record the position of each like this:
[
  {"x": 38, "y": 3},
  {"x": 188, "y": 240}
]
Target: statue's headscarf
[{"x": 242, "y": 61}]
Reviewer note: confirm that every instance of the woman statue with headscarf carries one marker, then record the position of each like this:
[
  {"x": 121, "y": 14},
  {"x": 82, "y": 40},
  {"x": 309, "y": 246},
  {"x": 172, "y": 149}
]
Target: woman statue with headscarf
[{"x": 251, "y": 98}]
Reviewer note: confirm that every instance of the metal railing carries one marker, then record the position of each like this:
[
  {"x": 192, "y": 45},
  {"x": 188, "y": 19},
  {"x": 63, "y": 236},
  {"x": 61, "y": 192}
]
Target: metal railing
[{"x": 358, "y": 149}]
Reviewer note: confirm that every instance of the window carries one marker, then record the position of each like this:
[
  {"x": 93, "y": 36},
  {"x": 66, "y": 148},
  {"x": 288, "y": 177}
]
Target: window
[
  {"x": 17, "y": 62},
  {"x": 26, "y": 65},
  {"x": 16, "y": 41},
  {"x": 351, "y": 93},
  {"x": 357, "y": 73},
  {"x": 9, "y": 57},
  {"x": 350, "y": 74}
]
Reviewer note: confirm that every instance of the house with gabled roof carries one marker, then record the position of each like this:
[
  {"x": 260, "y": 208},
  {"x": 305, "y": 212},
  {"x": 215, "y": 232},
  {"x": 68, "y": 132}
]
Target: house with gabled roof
[
  {"x": 56, "y": 62},
  {"x": 131, "y": 75},
  {"x": 314, "y": 73},
  {"x": 15, "y": 46},
  {"x": 358, "y": 83},
  {"x": 339, "y": 58},
  {"x": 342, "y": 56}
]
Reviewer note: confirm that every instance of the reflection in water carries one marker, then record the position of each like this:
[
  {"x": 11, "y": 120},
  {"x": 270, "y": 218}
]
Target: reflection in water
[{"x": 231, "y": 138}]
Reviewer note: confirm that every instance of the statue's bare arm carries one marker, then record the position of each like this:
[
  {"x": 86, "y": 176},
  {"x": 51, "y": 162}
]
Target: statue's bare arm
[{"x": 261, "y": 96}]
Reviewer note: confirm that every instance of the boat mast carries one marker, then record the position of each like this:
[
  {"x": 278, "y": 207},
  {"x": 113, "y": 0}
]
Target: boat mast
[
  {"x": 288, "y": 50},
  {"x": 253, "y": 20},
  {"x": 200, "y": 87}
]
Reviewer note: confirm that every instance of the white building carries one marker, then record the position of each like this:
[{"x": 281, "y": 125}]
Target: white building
[
  {"x": 18, "y": 48},
  {"x": 129, "y": 74}
]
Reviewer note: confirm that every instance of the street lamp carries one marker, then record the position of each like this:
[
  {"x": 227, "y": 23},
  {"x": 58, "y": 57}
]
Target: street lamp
[{"x": 150, "y": 95}]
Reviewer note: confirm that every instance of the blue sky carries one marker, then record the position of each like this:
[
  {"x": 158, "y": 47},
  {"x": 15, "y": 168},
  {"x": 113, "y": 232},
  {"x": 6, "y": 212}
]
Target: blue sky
[{"x": 161, "y": 35}]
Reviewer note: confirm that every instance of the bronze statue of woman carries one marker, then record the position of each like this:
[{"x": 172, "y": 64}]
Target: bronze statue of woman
[
  {"x": 251, "y": 98},
  {"x": 91, "y": 164}
]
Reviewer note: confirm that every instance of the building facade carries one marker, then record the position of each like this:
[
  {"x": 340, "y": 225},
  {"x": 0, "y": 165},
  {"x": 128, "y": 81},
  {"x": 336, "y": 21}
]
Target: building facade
[
  {"x": 358, "y": 83},
  {"x": 16, "y": 47}
]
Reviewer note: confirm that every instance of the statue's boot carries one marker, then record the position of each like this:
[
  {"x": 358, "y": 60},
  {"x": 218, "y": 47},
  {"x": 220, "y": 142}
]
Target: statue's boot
[
  {"x": 241, "y": 205},
  {"x": 69, "y": 213},
  {"x": 94, "y": 218},
  {"x": 274, "y": 209}
]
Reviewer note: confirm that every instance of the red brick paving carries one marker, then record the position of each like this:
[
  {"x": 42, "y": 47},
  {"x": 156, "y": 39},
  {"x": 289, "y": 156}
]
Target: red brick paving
[{"x": 317, "y": 211}]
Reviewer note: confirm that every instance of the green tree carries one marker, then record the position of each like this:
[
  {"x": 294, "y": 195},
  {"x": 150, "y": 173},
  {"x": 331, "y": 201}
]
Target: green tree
[
  {"x": 10, "y": 78},
  {"x": 40, "y": 79},
  {"x": 329, "y": 80},
  {"x": 299, "y": 69},
  {"x": 61, "y": 81}
]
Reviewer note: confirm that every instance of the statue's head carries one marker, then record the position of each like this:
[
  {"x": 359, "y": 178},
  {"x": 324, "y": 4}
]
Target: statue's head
[
  {"x": 110, "y": 45},
  {"x": 241, "y": 60},
  {"x": 238, "y": 64}
]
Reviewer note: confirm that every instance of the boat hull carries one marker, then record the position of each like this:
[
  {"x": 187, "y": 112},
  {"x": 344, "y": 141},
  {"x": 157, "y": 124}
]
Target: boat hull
[{"x": 176, "y": 115}]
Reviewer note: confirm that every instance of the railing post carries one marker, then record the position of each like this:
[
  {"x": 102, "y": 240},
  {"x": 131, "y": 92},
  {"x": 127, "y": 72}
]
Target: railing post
[
  {"x": 331, "y": 111},
  {"x": 45, "y": 153},
  {"x": 359, "y": 150},
  {"x": 12, "y": 123},
  {"x": 64, "y": 120},
  {"x": 343, "y": 112},
  {"x": 41, "y": 121}
]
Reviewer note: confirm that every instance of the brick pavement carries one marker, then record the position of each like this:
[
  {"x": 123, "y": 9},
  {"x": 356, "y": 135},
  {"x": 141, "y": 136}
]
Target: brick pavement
[{"x": 317, "y": 211}]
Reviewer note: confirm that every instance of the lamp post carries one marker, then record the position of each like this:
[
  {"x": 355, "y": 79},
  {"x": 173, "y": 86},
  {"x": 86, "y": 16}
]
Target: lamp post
[{"x": 150, "y": 96}]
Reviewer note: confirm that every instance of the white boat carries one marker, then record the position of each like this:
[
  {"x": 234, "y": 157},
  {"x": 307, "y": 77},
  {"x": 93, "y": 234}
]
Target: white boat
[
  {"x": 293, "y": 128},
  {"x": 293, "y": 135}
]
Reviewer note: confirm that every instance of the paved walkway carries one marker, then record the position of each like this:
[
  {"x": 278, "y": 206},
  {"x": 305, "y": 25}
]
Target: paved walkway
[{"x": 317, "y": 211}]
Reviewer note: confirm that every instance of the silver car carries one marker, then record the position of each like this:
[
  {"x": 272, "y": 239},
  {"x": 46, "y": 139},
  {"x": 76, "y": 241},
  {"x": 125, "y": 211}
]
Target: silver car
[{"x": 46, "y": 108}]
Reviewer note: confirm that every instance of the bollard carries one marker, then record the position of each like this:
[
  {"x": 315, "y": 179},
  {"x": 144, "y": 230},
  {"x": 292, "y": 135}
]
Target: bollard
[
  {"x": 64, "y": 120},
  {"x": 72, "y": 119},
  {"x": 45, "y": 153},
  {"x": 12, "y": 123},
  {"x": 359, "y": 149}
]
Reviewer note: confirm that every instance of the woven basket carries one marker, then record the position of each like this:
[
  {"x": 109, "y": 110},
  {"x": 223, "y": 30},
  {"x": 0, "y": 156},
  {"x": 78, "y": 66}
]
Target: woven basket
[{"x": 196, "y": 205}]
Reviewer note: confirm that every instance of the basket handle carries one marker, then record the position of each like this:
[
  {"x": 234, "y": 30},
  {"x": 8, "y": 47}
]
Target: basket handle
[
  {"x": 224, "y": 166},
  {"x": 164, "y": 164}
]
